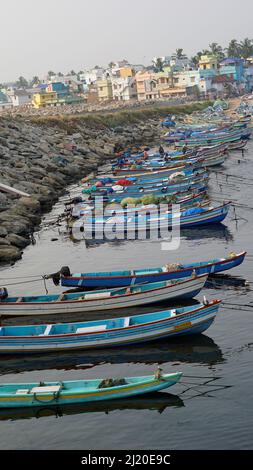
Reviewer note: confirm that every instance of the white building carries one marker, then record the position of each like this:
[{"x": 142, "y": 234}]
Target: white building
[
  {"x": 124, "y": 89},
  {"x": 20, "y": 97},
  {"x": 91, "y": 76}
]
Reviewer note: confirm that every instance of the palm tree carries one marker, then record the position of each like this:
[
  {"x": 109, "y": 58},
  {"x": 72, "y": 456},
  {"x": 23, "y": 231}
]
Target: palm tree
[
  {"x": 246, "y": 47},
  {"x": 35, "y": 80},
  {"x": 234, "y": 49},
  {"x": 50, "y": 74},
  {"x": 179, "y": 53},
  {"x": 217, "y": 50},
  {"x": 158, "y": 64},
  {"x": 22, "y": 82}
]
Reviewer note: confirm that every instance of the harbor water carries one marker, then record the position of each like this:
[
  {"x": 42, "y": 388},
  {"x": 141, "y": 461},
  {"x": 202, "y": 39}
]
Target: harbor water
[{"x": 211, "y": 407}]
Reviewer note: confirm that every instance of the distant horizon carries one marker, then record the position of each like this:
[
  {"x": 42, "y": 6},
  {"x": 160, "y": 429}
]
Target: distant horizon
[{"x": 58, "y": 37}]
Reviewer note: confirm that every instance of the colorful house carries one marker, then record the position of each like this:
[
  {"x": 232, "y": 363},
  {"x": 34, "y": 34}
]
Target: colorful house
[
  {"x": 104, "y": 88},
  {"x": 59, "y": 87},
  {"x": 20, "y": 97},
  {"x": 150, "y": 85},
  {"x": 124, "y": 89},
  {"x": 43, "y": 99},
  {"x": 208, "y": 62},
  {"x": 232, "y": 66}
]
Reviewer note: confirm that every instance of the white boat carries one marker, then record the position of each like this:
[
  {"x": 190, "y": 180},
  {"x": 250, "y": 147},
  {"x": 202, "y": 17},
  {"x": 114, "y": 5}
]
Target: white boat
[{"x": 107, "y": 299}]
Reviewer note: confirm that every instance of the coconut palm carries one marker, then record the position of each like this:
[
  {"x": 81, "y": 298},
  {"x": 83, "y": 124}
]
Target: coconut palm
[
  {"x": 216, "y": 50},
  {"x": 51, "y": 74},
  {"x": 179, "y": 53},
  {"x": 246, "y": 47},
  {"x": 158, "y": 64},
  {"x": 234, "y": 49},
  {"x": 22, "y": 82},
  {"x": 35, "y": 80}
]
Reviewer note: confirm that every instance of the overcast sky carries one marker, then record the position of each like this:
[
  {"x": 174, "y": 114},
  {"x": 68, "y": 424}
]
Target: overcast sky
[{"x": 60, "y": 35}]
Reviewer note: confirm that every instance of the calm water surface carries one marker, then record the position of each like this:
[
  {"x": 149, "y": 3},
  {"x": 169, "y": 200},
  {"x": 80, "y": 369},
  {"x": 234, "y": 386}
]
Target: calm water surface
[{"x": 212, "y": 407}]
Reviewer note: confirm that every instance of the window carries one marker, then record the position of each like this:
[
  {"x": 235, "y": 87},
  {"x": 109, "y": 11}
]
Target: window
[{"x": 192, "y": 79}]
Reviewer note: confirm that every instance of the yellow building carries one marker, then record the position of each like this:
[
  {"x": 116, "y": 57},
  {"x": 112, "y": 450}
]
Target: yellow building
[
  {"x": 40, "y": 100},
  {"x": 208, "y": 62},
  {"x": 104, "y": 88},
  {"x": 126, "y": 72}
]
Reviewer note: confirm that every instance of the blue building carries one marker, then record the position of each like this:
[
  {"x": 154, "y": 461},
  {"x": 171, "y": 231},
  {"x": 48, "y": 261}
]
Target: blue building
[
  {"x": 233, "y": 66},
  {"x": 60, "y": 88}
]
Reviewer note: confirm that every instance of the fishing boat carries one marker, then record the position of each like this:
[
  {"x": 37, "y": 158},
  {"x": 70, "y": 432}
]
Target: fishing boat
[
  {"x": 190, "y": 218},
  {"x": 154, "y": 177},
  {"x": 161, "y": 171},
  {"x": 82, "y": 391},
  {"x": 117, "y": 193},
  {"x": 83, "y": 209},
  {"x": 101, "y": 300},
  {"x": 213, "y": 139},
  {"x": 239, "y": 145},
  {"x": 107, "y": 333},
  {"x": 136, "y": 184},
  {"x": 139, "y": 276}
]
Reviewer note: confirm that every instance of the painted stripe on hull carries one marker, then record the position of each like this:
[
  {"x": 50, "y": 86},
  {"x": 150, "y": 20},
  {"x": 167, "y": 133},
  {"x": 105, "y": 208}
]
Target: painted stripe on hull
[{"x": 168, "y": 328}]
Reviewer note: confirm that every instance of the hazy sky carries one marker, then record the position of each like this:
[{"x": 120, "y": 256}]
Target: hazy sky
[{"x": 60, "y": 35}]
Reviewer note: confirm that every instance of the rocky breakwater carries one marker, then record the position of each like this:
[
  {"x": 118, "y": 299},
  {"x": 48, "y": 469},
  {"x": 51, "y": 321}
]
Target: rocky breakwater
[{"x": 42, "y": 157}]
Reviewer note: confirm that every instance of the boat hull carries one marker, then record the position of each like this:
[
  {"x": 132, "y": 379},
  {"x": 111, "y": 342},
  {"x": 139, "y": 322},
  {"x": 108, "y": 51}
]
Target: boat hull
[
  {"x": 193, "y": 321},
  {"x": 130, "y": 279},
  {"x": 99, "y": 227},
  {"x": 182, "y": 290},
  {"x": 79, "y": 393}
]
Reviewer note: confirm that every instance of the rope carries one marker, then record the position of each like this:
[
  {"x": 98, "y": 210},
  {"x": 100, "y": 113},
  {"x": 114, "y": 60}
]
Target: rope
[
  {"x": 25, "y": 282},
  {"x": 55, "y": 397}
]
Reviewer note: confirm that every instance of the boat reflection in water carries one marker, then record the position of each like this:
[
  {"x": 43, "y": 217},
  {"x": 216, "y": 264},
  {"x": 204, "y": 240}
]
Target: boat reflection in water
[
  {"x": 198, "y": 349},
  {"x": 154, "y": 401},
  {"x": 217, "y": 231}
]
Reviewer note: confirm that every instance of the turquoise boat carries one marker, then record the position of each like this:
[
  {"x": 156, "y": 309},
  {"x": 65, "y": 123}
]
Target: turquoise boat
[{"x": 82, "y": 391}]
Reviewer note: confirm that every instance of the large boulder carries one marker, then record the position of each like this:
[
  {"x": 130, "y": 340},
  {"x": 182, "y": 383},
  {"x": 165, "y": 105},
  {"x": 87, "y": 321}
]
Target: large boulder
[
  {"x": 17, "y": 240},
  {"x": 9, "y": 254}
]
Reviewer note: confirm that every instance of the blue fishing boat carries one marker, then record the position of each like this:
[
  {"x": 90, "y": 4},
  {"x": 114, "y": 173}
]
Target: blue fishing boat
[
  {"x": 137, "y": 190},
  {"x": 175, "y": 189},
  {"x": 81, "y": 209},
  {"x": 107, "y": 333},
  {"x": 189, "y": 218},
  {"x": 139, "y": 276},
  {"x": 179, "y": 166},
  {"x": 82, "y": 391},
  {"x": 149, "y": 177}
]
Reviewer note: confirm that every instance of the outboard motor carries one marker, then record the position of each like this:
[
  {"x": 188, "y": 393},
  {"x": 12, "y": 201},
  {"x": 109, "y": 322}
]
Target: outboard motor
[
  {"x": 3, "y": 293},
  {"x": 56, "y": 277}
]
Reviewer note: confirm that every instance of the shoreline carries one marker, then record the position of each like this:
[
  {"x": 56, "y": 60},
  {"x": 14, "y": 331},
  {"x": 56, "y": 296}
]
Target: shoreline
[{"x": 43, "y": 155}]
